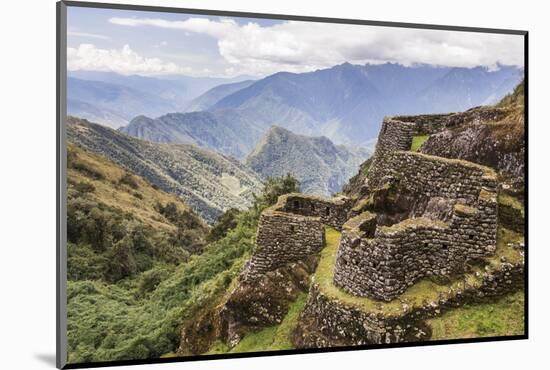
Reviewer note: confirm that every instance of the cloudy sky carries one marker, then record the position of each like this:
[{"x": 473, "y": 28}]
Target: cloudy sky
[{"x": 150, "y": 43}]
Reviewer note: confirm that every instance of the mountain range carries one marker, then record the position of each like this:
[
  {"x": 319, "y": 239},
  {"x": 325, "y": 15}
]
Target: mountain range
[
  {"x": 320, "y": 166},
  {"x": 209, "y": 182},
  {"x": 225, "y": 131},
  {"x": 347, "y": 103},
  {"x": 113, "y": 99},
  {"x": 212, "y": 96}
]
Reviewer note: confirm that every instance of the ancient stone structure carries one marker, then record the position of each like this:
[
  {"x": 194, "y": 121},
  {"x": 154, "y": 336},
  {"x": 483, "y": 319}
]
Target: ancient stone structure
[
  {"x": 290, "y": 236},
  {"x": 420, "y": 216},
  {"x": 327, "y": 322},
  {"x": 450, "y": 220},
  {"x": 293, "y": 229}
]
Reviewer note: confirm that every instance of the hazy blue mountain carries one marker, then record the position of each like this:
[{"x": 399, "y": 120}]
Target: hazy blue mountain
[
  {"x": 322, "y": 167},
  {"x": 112, "y": 104},
  {"x": 225, "y": 131},
  {"x": 162, "y": 94},
  {"x": 463, "y": 88},
  {"x": 93, "y": 113},
  {"x": 212, "y": 96},
  {"x": 347, "y": 102},
  {"x": 209, "y": 182}
]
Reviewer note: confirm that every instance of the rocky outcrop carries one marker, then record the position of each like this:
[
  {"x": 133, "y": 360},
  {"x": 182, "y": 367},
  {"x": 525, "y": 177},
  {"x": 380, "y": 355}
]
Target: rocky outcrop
[
  {"x": 499, "y": 146},
  {"x": 265, "y": 300}
]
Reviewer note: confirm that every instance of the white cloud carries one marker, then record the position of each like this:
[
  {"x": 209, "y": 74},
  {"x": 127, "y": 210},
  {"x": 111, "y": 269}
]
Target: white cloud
[
  {"x": 88, "y": 35},
  {"x": 123, "y": 61},
  {"x": 161, "y": 44},
  {"x": 304, "y": 46},
  {"x": 200, "y": 25}
]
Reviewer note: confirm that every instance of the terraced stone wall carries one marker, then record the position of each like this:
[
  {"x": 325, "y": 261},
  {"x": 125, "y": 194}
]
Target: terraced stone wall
[
  {"x": 383, "y": 265},
  {"x": 328, "y": 322}
]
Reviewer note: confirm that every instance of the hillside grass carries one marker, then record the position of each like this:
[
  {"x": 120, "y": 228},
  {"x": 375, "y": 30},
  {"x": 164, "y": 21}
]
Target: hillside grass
[
  {"x": 417, "y": 295},
  {"x": 110, "y": 188},
  {"x": 502, "y": 317},
  {"x": 274, "y": 338},
  {"x": 132, "y": 284},
  {"x": 133, "y": 277},
  {"x": 509, "y": 201},
  {"x": 417, "y": 142},
  {"x": 516, "y": 98}
]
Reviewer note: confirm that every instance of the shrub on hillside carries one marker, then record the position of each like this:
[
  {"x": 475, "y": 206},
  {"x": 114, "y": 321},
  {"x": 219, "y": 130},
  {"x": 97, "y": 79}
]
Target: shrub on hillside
[
  {"x": 226, "y": 222},
  {"x": 128, "y": 179}
]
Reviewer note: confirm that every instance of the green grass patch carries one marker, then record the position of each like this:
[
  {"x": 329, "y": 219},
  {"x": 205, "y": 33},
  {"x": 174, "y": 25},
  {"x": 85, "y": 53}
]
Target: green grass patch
[
  {"x": 417, "y": 142},
  {"x": 507, "y": 200},
  {"x": 364, "y": 204},
  {"x": 417, "y": 295},
  {"x": 502, "y": 317},
  {"x": 273, "y": 338}
]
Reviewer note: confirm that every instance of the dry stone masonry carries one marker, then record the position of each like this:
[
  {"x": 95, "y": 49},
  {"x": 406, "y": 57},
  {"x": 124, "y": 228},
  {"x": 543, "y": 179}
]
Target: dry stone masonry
[
  {"x": 455, "y": 224},
  {"x": 418, "y": 216},
  {"x": 292, "y": 230},
  {"x": 327, "y": 322}
]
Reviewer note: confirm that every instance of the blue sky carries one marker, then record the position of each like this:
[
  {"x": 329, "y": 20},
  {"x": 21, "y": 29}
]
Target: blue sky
[{"x": 152, "y": 43}]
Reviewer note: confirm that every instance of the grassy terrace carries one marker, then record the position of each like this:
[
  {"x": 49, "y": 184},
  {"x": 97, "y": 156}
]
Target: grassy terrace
[
  {"x": 417, "y": 295},
  {"x": 501, "y": 317},
  {"x": 418, "y": 141},
  {"x": 506, "y": 200}
]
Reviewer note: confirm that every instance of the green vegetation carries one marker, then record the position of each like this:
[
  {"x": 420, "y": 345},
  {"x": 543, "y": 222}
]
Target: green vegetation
[
  {"x": 226, "y": 222},
  {"x": 509, "y": 201},
  {"x": 417, "y": 142},
  {"x": 497, "y": 318},
  {"x": 134, "y": 275},
  {"x": 364, "y": 204},
  {"x": 274, "y": 187},
  {"x": 423, "y": 291},
  {"x": 211, "y": 182},
  {"x": 517, "y": 97},
  {"x": 111, "y": 241},
  {"x": 274, "y": 338}
]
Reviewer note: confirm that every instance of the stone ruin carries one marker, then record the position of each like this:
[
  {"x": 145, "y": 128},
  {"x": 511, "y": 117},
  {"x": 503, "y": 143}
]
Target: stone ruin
[
  {"x": 419, "y": 216},
  {"x": 292, "y": 230},
  {"x": 432, "y": 216}
]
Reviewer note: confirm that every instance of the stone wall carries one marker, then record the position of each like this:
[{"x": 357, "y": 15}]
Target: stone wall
[
  {"x": 427, "y": 124},
  {"x": 292, "y": 230},
  {"x": 397, "y": 132},
  {"x": 382, "y": 265},
  {"x": 327, "y": 322},
  {"x": 333, "y": 211},
  {"x": 511, "y": 217},
  {"x": 434, "y": 176},
  {"x": 394, "y": 135},
  {"x": 283, "y": 238}
]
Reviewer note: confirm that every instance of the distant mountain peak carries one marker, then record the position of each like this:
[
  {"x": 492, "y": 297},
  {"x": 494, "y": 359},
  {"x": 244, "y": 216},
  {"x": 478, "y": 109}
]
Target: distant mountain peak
[{"x": 320, "y": 166}]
